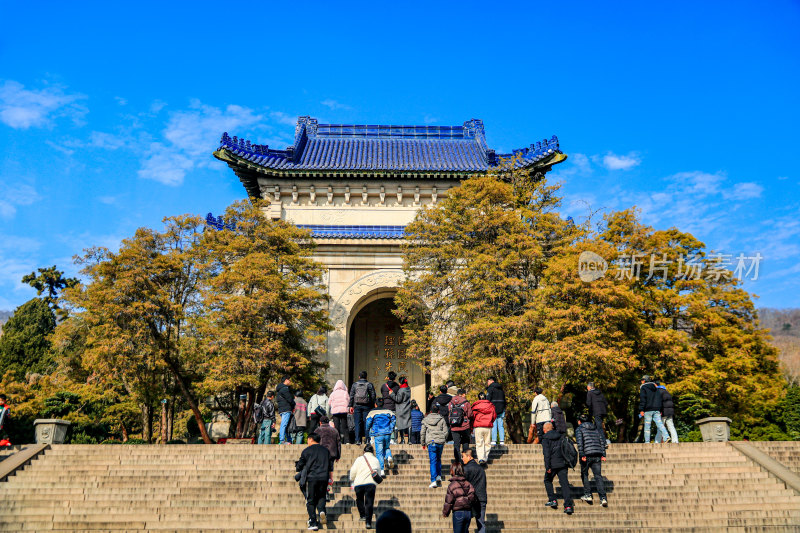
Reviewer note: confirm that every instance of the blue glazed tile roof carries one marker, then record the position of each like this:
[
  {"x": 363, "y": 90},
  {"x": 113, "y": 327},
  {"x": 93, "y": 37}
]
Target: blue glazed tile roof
[
  {"x": 380, "y": 147},
  {"x": 354, "y": 232}
]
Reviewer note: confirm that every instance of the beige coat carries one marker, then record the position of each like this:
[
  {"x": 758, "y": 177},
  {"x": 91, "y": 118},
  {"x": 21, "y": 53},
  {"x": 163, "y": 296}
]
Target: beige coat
[
  {"x": 360, "y": 473},
  {"x": 540, "y": 410}
]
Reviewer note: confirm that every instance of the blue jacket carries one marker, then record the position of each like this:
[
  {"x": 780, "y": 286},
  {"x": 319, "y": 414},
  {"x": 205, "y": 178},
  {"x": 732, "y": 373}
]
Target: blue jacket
[
  {"x": 380, "y": 422},
  {"x": 416, "y": 420}
]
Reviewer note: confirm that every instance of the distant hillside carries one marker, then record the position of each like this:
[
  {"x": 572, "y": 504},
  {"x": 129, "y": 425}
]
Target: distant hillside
[{"x": 784, "y": 325}]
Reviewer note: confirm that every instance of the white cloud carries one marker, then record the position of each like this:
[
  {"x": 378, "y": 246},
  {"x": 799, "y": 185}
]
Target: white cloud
[
  {"x": 120, "y": 100},
  {"x": 698, "y": 182},
  {"x": 108, "y": 141},
  {"x": 744, "y": 191},
  {"x": 283, "y": 118},
  {"x": 157, "y": 106},
  {"x": 189, "y": 138},
  {"x": 333, "y": 104},
  {"x": 430, "y": 119},
  {"x": 13, "y": 196},
  {"x": 22, "y": 108},
  {"x": 613, "y": 161}
]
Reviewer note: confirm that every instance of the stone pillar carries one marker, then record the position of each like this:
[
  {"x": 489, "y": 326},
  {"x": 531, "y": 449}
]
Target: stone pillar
[{"x": 715, "y": 428}]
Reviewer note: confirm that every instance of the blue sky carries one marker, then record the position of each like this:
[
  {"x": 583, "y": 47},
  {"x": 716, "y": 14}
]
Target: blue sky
[{"x": 109, "y": 112}]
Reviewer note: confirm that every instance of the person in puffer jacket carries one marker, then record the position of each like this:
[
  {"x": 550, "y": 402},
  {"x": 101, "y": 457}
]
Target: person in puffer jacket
[
  {"x": 433, "y": 435},
  {"x": 416, "y": 422},
  {"x": 380, "y": 426},
  {"x": 459, "y": 499},
  {"x": 483, "y": 417},
  {"x": 592, "y": 453},
  {"x": 338, "y": 408}
]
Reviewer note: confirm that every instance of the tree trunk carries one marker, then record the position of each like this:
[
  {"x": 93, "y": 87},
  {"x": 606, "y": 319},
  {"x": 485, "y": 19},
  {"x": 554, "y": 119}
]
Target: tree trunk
[
  {"x": 187, "y": 394},
  {"x": 164, "y": 408},
  {"x": 124, "y": 432},
  {"x": 147, "y": 423},
  {"x": 170, "y": 419},
  {"x": 248, "y": 412},
  {"x": 240, "y": 413}
]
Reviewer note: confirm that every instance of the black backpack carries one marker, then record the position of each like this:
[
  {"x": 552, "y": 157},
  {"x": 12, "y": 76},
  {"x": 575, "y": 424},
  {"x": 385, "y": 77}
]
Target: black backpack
[
  {"x": 457, "y": 414},
  {"x": 362, "y": 393},
  {"x": 569, "y": 451},
  {"x": 258, "y": 413}
]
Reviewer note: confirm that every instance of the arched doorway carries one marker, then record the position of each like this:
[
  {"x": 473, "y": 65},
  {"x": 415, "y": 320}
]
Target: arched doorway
[{"x": 376, "y": 345}]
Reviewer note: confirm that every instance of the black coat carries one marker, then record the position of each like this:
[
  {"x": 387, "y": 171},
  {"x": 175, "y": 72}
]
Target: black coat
[
  {"x": 388, "y": 401},
  {"x": 551, "y": 448},
  {"x": 284, "y": 398},
  {"x": 442, "y": 399},
  {"x": 477, "y": 478},
  {"x": 596, "y": 403},
  {"x": 590, "y": 441},
  {"x": 370, "y": 393},
  {"x": 496, "y": 395},
  {"x": 559, "y": 419},
  {"x": 314, "y": 464},
  {"x": 649, "y": 397},
  {"x": 667, "y": 404}
]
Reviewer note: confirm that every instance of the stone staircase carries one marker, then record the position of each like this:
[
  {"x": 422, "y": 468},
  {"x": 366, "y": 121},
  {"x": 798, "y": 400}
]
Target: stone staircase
[
  {"x": 787, "y": 453},
  {"x": 231, "y": 488}
]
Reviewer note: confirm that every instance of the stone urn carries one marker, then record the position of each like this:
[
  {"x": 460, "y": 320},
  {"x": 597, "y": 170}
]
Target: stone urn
[
  {"x": 51, "y": 430},
  {"x": 715, "y": 428}
]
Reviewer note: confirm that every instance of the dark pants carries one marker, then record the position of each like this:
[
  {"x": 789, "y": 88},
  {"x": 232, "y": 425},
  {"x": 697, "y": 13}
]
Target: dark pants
[
  {"x": 595, "y": 464},
  {"x": 563, "y": 481},
  {"x": 315, "y": 498},
  {"x": 313, "y": 423},
  {"x": 598, "y": 423},
  {"x": 414, "y": 437},
  {"x": 479, "y": 512},
  {"x": 460, "y": 443},
  {"x": 365, "y": 500},
  {"x": 360, "y": 418},
  {"x": 340, "y": 423},
  {"x": 461, "y": 520},
  {"x": 540, "y": 430},
  {"x": 402, "y": 435}
]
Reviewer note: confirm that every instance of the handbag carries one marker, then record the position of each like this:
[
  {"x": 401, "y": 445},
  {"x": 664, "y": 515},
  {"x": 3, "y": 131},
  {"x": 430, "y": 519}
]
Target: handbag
[
  {"x": 531, "y": 434},
  {"x": 376, "y": 477}
]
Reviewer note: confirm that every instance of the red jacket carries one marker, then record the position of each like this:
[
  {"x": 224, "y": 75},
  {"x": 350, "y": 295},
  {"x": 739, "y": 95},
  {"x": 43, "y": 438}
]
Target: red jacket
[{"x": 483, "y": 414}]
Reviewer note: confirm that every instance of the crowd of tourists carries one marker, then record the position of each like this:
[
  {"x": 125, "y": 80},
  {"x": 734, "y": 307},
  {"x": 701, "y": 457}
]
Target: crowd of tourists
[{"x": 377, "y": 419}]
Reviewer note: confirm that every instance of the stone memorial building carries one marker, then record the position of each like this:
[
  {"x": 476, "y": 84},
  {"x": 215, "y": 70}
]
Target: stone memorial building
[{"x": 355, "y": 187}]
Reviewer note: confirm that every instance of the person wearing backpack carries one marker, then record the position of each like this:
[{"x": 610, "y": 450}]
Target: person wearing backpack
[
  {"x": 264, "y": 416},
  {"x": 339, "y": 407},
  {"x": 592, "y": 451},
  {"x": 362, "y": 400},
  {"x": 380, "y": 426},
  {"x": 556, "y": 464},
  {"x": 559, "y": 418},
  {"x": 433, "y": 435},
  {"x": 540, "y": 412},
  {"x": 388, "y": 390},
  {"x": 363, "y": 483},
  {"x": 285, "y": 399},
  {"x": 460, "y": 412},
  {"x": 317, "y": 408}
]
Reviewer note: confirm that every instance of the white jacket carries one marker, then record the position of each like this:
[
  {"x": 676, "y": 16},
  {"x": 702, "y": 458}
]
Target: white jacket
[
  {"x": 318, "y": 401},
  {"x": 540, "y": 410},
  {"x": 360, "y": 473}
]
